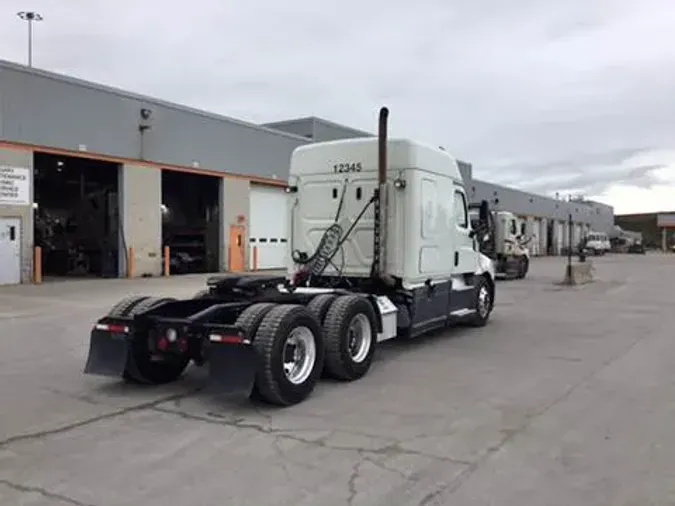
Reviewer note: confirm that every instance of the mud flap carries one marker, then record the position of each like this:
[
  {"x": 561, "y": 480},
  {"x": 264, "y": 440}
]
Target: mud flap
[
  {"x": 232, "y": 369},
  {"x": 108, "y": 354}
]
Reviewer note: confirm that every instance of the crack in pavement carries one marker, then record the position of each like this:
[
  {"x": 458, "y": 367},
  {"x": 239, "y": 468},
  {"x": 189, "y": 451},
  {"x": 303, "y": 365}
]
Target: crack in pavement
[
  {"x": 43, "y": 492},
  {"x": 351, "y": 483},
  {"x": 389, "y": 448},
  {"x": 89, "y": 421},
  {"x": 511, "y": 434}
]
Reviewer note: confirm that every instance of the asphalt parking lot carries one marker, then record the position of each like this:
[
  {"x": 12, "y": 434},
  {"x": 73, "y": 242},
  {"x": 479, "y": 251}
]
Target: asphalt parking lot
[{"x": 566, "y": 398}]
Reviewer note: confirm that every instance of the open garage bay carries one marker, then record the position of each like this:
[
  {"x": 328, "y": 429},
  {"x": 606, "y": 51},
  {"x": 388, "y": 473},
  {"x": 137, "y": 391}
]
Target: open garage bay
[
  {"x": 566, "y": 397},
  {"x": 77, "y": 216},
  {"x": 190, "y": 221}
]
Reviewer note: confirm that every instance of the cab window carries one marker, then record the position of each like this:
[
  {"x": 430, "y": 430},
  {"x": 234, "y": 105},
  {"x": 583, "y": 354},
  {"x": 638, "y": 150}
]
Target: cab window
[{"x": 461, "y": 215}]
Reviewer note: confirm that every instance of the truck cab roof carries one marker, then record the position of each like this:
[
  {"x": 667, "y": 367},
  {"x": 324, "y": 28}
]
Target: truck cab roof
[{"x": 360, "y": 155}]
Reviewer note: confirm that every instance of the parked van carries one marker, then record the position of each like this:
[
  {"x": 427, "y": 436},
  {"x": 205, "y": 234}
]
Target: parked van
[{"x": 597, "y": 243}]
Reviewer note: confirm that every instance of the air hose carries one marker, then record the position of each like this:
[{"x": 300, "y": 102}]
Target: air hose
[{"x": 331, "y": 242}]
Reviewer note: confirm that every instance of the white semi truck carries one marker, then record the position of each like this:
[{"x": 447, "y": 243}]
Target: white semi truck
[
  {"x": 381, "y": 247},
  {"x": 505, "y": 241},
  {"x": 597, "y": 243}
]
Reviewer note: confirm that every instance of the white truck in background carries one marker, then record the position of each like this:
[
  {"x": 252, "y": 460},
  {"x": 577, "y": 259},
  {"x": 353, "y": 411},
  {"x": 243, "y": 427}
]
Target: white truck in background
[
  {"x": 505, "y": 241},
  {"x": 597, "y": 243}
]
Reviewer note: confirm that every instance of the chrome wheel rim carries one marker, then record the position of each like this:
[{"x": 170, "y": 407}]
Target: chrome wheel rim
[
  {"x": 483, "y": 301},
  {"x": 299, "y": 355},
  {"x": 359, "y": 337}
]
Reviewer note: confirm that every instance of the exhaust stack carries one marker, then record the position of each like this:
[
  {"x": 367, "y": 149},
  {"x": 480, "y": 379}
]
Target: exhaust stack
[
  {"x": 382, "y": 147},
  {"x": 380, "y": 201}
]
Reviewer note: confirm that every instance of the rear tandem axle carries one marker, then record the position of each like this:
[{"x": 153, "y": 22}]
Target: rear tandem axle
[{"x": 254, "y": 339}]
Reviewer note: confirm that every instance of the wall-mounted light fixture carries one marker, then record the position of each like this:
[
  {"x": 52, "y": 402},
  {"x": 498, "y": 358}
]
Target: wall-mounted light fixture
[{"x": 146, "y": 116}]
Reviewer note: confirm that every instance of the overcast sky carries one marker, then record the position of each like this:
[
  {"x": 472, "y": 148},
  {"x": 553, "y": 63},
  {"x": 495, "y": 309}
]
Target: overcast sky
[{"x": 574, "y": 96}]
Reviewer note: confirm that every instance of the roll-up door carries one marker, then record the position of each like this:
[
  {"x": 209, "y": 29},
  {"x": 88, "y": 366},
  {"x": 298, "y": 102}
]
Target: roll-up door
[{"x": 268, "y": 229}]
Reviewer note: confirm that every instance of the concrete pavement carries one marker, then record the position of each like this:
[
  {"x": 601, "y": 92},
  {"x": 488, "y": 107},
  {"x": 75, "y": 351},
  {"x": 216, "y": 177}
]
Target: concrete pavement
[{"x": 565, "y": 398}]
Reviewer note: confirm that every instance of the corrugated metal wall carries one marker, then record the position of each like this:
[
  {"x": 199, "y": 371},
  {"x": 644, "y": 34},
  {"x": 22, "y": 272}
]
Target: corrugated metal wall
[
  {"x": 46, "y": 109},
  {"x": 50, "y": 110}
]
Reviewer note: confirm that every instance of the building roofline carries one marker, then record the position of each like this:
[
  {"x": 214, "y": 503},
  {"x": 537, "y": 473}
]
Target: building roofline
[
  {"x": 316, "y": 119},
  {"x": 650, "y": 214},
  {"x": 288, "y": 121},
  {"x": 529, "y": 194},
  {"x": 5, "y": 64}
]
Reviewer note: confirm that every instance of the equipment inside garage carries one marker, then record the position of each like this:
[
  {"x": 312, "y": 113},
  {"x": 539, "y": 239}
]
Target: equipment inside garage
[
  {"x": 190, "y": 221},
  {"x": 76, "y": 215}
]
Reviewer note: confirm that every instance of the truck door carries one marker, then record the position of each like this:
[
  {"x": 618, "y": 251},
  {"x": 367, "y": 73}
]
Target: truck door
[{"x": 464, "y": 257}]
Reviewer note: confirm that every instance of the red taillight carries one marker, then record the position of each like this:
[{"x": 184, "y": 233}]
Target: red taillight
[
  {"x": 228, "y": 339},
  {"x": 162, "y": 344}
]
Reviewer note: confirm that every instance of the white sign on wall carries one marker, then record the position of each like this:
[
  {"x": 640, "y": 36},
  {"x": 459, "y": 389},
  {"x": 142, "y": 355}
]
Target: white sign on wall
[
  {"x": 665, "y": 220},
  {"x": 14, "y": 186}
]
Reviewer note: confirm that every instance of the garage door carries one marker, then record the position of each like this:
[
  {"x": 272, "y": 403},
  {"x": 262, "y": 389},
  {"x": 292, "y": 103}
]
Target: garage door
[{"x": 268, "y": 229}]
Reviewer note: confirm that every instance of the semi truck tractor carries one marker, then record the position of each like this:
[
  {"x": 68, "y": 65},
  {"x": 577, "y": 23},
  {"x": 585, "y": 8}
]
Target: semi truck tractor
[
  {"x": 504, "y": 241},
  {"x": 377, "y": 251}
]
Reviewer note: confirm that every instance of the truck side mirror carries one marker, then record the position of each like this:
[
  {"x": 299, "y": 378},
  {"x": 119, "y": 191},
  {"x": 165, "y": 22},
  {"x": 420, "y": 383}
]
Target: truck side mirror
[{"x": 484, "y": 211}]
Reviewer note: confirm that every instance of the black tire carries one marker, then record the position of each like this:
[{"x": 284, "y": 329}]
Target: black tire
[
  {"x": 523, "y": 267},
  {"x": 122, "y": 308},
  {"x": 140, "y": 368},
  {"x": 147, "y": 304},
  {"x": 320, "y": 305},
  {"x": 482, "y": 314},
  {"x": 251, "y": 318},
  {"x": 272, "y": 383},
  {"x": 340, "y": 363}
]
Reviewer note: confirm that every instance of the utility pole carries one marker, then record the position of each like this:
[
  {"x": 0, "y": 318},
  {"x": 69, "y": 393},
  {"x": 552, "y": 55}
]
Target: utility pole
[{"x": 30, "y": 17}]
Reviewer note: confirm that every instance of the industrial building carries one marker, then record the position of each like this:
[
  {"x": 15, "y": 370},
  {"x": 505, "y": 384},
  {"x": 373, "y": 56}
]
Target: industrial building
[
  {"x": 96, "y": 181},
  {"x": 657, "y": 229}
]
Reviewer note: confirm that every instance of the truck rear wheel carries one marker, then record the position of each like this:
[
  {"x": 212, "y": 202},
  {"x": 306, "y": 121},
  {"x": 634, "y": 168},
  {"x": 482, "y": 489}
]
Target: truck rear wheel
[
  {"x": 320, "y": 305},
  {"x": 250, "y": 320},
  {"x": 290, "y": 347},
  {"x": 125, "y": 305},
  {"x": 350, "y": 332},
  {"x": 141, "y": 365}
]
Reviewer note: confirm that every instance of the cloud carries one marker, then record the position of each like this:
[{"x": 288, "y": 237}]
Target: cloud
[{"x": 544, "y": 95}]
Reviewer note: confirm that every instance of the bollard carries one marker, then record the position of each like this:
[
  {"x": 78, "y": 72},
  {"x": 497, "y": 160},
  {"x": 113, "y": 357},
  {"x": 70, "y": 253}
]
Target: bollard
[
  {"x": 167, "y": 261},
  {"x": 131, "y": 272},
  {"x": 37, "y": 265},
  {"x": 255, "y": 258}
]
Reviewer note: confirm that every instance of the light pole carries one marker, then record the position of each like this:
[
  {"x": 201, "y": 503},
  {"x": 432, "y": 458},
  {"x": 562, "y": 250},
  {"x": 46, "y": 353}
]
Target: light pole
[{"x": 30, "y": 16}]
